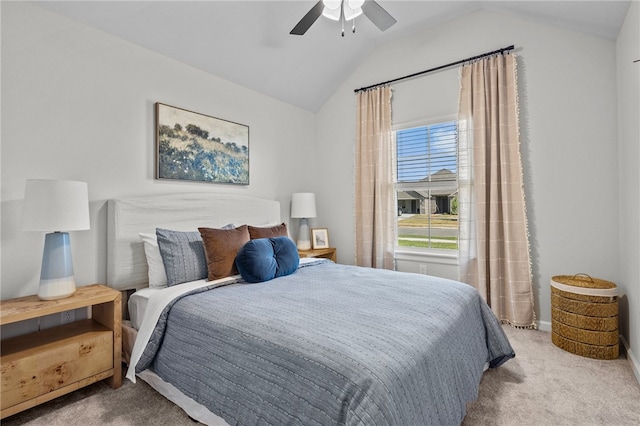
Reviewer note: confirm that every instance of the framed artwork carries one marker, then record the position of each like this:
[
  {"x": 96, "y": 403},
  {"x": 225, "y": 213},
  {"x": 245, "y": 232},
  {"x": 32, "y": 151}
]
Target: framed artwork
[
  {"x": 197, "y": 147},
  {"x": 319, "y": 238}
]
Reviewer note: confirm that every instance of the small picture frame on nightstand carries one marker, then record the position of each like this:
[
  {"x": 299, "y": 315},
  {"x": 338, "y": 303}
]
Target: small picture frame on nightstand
[{"x": 319, "y": 238}]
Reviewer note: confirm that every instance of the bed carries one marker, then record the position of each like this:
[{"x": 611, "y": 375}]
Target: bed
[{"x": 325, "y": 344}]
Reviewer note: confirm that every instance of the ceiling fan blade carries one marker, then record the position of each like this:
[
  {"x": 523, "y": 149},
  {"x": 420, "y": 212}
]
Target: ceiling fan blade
[
  {"x": 308, "y": 19},
  {"x": 377, "y": 15}
]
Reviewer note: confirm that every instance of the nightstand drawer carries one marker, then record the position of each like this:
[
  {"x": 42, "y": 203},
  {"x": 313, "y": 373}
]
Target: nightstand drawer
[{"x": 59, "y": 357}]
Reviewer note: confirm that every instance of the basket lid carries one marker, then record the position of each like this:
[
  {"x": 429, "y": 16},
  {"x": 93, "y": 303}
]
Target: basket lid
[{"x": 584, "y": 284}]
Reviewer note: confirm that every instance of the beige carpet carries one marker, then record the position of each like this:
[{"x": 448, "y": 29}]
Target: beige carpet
[{"x": 543, "y": 385}]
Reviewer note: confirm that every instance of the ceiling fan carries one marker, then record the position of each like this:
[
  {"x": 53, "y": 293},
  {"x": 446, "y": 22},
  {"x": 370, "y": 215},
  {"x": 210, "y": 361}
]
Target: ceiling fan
[{"x": 345, "y": 10}]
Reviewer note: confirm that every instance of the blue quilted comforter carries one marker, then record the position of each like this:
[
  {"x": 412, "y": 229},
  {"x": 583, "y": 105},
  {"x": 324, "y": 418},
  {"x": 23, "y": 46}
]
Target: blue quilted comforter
[{"x": 330, "y": 344}]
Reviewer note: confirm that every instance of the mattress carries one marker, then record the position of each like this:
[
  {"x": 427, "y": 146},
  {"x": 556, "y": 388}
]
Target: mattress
[{"x": 138, "y": 303}]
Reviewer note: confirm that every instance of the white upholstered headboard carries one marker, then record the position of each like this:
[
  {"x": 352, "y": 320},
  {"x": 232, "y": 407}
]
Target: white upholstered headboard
[{"x": 126, "y": 261}]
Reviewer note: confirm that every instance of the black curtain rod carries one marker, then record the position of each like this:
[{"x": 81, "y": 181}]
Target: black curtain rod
[{"x": 406, "y": 77}]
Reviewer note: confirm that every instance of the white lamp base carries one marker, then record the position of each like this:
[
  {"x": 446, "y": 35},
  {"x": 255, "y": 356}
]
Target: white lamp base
[
  {"x": 56, "y": 289},
  {"x": 56, "y": 276},
  {"x": 304, "y": 243}
]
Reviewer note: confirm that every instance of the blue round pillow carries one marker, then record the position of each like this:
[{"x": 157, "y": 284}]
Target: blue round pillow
[{"x": 264, "y": 259}]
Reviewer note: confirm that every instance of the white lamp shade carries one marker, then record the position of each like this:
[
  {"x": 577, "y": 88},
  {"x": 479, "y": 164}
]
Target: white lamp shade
[
  {"x": 55, "y": 205},
  {"x": 303, "y": 205}
]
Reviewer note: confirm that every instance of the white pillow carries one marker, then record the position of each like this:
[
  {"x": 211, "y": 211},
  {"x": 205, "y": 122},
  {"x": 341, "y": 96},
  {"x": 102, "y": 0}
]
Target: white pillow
[{"x": 157, "y": 273}]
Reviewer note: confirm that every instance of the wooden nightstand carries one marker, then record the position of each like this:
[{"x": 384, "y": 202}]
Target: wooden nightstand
[
  {"x": 41, "y": 366},
  {"x": 328, "y": 253}
]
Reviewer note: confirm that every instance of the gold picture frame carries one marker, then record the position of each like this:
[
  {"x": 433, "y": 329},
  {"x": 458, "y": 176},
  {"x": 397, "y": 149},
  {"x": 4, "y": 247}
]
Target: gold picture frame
[{"x": 319, "y": 238}]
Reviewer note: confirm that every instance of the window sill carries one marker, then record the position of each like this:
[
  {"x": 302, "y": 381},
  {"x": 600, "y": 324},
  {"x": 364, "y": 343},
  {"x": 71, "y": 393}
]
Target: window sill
[{"x": 448, "y": 257}]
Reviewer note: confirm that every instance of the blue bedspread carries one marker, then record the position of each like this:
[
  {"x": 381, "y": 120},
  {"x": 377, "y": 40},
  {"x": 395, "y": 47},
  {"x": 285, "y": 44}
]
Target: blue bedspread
[{"x": 330, "y": 344}]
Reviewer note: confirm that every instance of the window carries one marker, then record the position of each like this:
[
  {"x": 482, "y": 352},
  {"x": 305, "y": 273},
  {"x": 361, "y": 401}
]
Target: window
[{"x": 427, "y": 186}]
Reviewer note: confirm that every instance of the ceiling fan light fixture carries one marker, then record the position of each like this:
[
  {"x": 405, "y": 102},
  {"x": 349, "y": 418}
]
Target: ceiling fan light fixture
[
  {"x": 332, "y": 4},
  {"x": 350, "y": 14},
  {"x": 333, "y": 14},
  {"x": 345, "y": 10}
]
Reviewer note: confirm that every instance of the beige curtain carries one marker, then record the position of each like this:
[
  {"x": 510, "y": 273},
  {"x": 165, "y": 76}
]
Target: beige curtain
[
  {"x": 374, "y": 157},
  {"x": 494, "y": 242}
]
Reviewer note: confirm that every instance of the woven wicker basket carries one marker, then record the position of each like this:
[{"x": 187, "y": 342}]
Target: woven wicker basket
[{"x": 584, "y": 316}]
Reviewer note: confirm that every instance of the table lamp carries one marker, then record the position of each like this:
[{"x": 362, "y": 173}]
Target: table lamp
[
  {"x": 56, "y": 206},
  {"x": 303, "y": 206}
]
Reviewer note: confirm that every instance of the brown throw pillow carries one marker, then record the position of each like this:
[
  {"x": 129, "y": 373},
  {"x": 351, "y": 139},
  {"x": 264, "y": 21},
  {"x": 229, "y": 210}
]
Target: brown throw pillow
[
  {"x": 221, "y": 247},
  {"x": 269, "y": 232}
]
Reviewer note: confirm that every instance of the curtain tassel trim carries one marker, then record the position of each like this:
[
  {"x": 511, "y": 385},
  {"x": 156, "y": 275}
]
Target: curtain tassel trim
[{"x": 533, "y": 326}]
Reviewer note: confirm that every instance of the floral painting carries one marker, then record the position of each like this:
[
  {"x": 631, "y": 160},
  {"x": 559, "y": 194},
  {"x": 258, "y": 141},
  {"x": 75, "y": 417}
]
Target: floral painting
[{"x": 197, "y": 147}]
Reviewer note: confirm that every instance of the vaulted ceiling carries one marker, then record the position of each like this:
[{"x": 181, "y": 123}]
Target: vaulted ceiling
[{"x": 248, "y": 42}]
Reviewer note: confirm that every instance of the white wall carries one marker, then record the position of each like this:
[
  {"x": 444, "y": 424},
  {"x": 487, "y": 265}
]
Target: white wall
[
  {"x": 78, "y": 104},
  {"x": 628, "y": 50},
  {"x": 568, "y": 129}
]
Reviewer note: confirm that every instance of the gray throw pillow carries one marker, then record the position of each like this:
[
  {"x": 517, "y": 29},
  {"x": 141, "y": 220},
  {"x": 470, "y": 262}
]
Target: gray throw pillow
[{"x": 183, "y": 255}]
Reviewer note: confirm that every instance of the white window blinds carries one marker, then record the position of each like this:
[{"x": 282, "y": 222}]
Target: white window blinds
[{"x": 427, "y": 156}]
